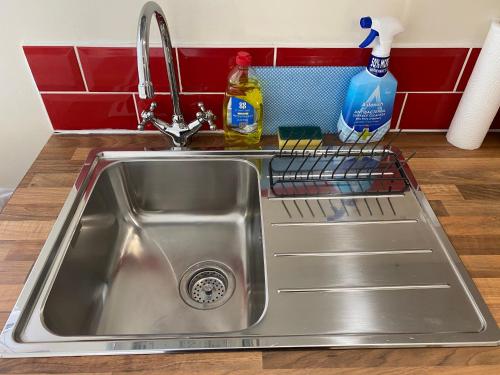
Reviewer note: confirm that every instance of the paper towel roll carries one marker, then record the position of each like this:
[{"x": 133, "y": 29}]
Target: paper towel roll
[{"x": 481, "y": 98}]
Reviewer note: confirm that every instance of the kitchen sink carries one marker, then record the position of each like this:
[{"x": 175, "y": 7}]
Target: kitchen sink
[
  {"x": 145, "y": 225},
  {"x": 161, "y": 251}
]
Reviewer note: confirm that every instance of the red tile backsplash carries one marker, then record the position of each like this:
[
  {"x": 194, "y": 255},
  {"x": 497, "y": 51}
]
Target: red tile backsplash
[
  {"x": 471, "y": 62},
  {"x": 206, "y": 69},
  {"x": 322, "y": 56},
  {"x": 115, "y": 69},
  {"x": 429, "y": 111},
  {"x": 427, "y": 69},
  {"x": 416, "y": 69},
  {"x": 427, "y": 77},
  {"x": 54, "y": 68},
  {"x": 90, "y": 111}
]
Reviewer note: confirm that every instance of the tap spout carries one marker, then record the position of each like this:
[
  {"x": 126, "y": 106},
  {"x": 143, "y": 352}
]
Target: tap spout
[{"x": 145, "y": 87}]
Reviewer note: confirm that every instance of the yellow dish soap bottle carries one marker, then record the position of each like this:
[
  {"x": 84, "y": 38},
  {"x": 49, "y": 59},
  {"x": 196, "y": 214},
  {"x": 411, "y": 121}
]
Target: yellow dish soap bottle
[{"x": 242, "y": 111}]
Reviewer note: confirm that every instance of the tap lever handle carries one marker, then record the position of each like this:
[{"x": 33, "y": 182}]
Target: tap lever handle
[
  {"x": 211, "y": 122},
  {"x": 201, "y": 106},
  {"x": 146, "y": 116},
  {"x": 207, "y": 116},
  {"x": 149, "y": 113}
]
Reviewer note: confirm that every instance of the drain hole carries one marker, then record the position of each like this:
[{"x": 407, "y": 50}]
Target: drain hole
[{"x": 207, "y": 285}]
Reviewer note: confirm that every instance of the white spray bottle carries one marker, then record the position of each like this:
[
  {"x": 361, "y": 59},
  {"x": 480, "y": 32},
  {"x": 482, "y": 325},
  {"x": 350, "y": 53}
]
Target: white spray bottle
[{"x": 367, "y": 111}]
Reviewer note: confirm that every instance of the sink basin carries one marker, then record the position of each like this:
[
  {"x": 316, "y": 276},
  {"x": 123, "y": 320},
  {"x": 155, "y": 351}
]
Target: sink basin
[
  {"x": 162, "y": 251},
  {"x": 145, "y": 225}
]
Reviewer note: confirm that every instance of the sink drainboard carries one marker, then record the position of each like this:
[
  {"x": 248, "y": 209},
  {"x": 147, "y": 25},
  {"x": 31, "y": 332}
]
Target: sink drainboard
[{"x": 207, "y": 285}]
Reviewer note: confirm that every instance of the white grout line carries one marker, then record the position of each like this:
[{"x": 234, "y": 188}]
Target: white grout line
[
  {"x": 106, "y": 131},
  {"x": 214, "y": 92},
  {"x": 131, "y": 92},
  {"x": 203, "y": 93},
  {"x": 429, "y": 92},
  {"x": 275, "y": 55},
  {"x": 401, "y": 112},
  {"x": 89, "y": 92},
  {"x": 123, "y": 131},
  {"x": 204, "y": 44},
  {"x": 81, "y": 69},
  {"x": 462, "y": 70},
  {"x": 136, "y": 109},
  {"x": 178, "y": 68},
  {"x": 424, "y": 130}
]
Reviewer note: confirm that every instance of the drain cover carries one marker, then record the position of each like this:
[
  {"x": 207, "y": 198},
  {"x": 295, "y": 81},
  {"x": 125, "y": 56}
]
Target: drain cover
[{"x": 207, "y": 285}]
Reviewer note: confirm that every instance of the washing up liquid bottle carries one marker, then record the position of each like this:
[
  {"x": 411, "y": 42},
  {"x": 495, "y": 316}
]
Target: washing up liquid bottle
[
  {"x": 370, "y": 98},
  {"x": 242, "y": 109}
]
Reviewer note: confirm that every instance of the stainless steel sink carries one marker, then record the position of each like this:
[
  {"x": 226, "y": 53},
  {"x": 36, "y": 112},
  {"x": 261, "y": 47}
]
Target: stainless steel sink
[
  {"x": 148, "y": 228},
  {"x": 163, "y": 251}
]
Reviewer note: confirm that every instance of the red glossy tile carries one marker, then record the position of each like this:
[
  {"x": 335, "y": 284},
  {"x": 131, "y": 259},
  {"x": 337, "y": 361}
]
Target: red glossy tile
[
  {"x": 189, "y": 106},
  {"x": 429, "y": 111},
  {"x": 206, "y": 69},
  {"x": 427, "y": 69},
  {"x": 398, "y": 104},
  {"x": 113, "y": 69},
  {"x": 322, "y": 56},
  {"x": 54, "y": 68},
  {"x": 471, "y": 62},
  {"x": 90, "y": 111}
]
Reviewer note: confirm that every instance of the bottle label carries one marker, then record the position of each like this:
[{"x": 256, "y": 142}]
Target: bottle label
[
  {"x": 241, "y": 116},
  {"x": 372, "y": 111},
  {"x": 368, "y": 109},
  {"x": 378, "y": 66}
]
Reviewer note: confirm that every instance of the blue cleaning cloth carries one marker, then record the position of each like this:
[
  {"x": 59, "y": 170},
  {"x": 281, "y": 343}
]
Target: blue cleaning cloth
[{"x": 295, "y": 96}]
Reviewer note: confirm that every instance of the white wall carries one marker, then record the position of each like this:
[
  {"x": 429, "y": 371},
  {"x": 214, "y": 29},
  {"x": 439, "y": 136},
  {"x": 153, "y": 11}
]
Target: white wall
[{"x": 24, "y": 125}]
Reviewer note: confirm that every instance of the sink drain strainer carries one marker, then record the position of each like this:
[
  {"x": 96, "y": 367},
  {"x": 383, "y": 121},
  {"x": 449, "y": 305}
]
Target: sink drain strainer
[{"x": 207, "y": 285}]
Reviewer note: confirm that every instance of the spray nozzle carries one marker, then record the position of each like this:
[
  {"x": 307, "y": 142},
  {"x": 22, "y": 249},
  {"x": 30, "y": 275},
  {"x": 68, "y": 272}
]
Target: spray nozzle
[
  {"x": 385, "y": 28},
  {"x": 369, "y": 39}
]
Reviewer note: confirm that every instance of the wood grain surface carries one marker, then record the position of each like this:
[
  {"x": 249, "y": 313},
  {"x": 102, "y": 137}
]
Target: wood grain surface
[{"x": 463, "y": 188}]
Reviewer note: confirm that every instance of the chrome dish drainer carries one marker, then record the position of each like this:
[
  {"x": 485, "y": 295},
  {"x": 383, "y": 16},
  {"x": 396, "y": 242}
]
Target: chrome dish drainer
[{"x": 346, "y": 168}]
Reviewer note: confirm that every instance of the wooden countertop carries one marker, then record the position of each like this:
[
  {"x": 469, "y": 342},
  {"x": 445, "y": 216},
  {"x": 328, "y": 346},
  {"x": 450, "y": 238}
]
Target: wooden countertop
[{"x": 462, "y": 186}]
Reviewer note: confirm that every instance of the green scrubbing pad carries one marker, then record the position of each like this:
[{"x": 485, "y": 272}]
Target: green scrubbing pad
[{"x": 299, "y": 136}]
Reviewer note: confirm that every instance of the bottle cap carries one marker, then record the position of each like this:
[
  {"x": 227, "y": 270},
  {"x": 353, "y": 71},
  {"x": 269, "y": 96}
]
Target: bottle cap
[{"x": 243, "y": 59}]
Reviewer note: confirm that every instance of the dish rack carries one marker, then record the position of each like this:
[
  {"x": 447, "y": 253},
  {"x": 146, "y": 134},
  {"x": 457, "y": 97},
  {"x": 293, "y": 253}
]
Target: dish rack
[{"x": 341, "y": 169}]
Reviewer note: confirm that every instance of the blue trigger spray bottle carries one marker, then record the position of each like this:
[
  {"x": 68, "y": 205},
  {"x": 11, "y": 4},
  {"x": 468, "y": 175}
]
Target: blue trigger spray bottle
[{"x": 367, "y": 111}]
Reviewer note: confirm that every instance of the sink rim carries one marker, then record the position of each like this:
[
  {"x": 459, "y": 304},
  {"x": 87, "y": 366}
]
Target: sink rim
[{"x": 12, "y": 346}]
